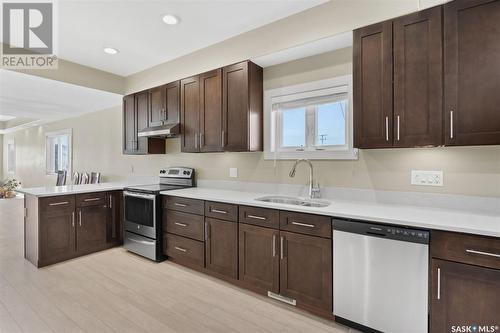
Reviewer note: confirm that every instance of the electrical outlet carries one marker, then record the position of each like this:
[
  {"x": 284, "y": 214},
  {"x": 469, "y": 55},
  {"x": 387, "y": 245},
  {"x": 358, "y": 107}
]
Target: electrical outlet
[
  {"x": 233, "y": 172},
  {"x": 427, "y": 178}
]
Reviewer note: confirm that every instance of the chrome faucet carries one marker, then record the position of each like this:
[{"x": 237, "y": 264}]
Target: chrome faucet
[{"x": 314, "y": 190}]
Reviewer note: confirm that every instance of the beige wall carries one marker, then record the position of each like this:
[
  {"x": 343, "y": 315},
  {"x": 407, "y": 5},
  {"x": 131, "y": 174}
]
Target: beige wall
[{"x": 97, "y": 146}]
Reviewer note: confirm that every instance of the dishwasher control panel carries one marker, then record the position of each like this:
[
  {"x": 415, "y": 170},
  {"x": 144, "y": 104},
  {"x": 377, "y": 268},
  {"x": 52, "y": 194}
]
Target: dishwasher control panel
[{"x": 383, "y": 231}]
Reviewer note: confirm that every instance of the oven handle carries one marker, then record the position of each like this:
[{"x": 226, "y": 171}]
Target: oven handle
[
  {"x": 140, "y": 241},
  {"x": 139, "y": 195}
]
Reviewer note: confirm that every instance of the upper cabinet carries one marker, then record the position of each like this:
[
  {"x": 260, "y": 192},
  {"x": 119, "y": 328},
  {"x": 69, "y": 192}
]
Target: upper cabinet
[
  {"x": 157, "y": 112},
  {"x": 401, "y": 97},
  {"x": 472, "y": 72},
  {"x": 222, "y": 110}
]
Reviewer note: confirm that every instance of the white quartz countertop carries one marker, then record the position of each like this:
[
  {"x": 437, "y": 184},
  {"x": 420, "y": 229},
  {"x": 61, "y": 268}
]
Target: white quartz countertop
[
  {"x": 51, "y": 191},
  {"x": 407, "y": 215}
]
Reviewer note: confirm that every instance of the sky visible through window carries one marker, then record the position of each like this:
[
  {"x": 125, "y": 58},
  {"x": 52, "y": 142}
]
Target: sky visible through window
[{"x": 330, "y": 125}]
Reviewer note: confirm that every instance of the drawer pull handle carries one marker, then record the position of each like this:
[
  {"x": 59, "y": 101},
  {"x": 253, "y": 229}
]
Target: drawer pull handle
[
  {"x": 59, "y": 203},
  {"x": 179, "y": 204},
  {"x": 93, "y": 199},
  {"x": 483, "y": 253},
  {"x": 255, "y": 217},
  {"x": 181, "y": 224},
  {"x": 439, "y": 284},
  {"x": 140, "y": 241},
  {"x": 274, "y": 246},
  {"x": 303, "y": 224},
  {"x": 218, "y": 211},
  {"x": 180, "y": 249},
  {"x": 281, "y": 247}
]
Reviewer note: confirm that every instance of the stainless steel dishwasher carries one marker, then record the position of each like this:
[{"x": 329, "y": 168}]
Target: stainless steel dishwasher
[{"x": 380, "y": 277}]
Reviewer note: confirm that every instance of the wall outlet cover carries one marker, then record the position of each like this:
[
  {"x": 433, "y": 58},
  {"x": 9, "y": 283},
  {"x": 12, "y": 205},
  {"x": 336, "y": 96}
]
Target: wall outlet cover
[
  {"x": 427, "y": 178},
  {"x": 233, "y": 172}
]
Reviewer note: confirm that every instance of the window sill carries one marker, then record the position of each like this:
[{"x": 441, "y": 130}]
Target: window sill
[{"x": 313, "y": 155}]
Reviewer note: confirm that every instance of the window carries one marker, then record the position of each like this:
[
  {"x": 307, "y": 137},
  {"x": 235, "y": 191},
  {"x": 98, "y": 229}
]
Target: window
[
  {"x": 312, "y": 120},
  {"x": 58, "y": 151},
  {"x": 11, "y": 156}
]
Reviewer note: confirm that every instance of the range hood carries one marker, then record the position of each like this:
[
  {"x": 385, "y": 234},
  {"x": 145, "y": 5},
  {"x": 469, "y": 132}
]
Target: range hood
[{"x": 163, "y": 131}]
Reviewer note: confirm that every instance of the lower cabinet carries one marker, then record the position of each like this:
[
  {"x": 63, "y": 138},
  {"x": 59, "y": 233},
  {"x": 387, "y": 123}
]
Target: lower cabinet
[
  {"x": 258, "y": 256},
  {"x": 221, "y": 247},
  {"x": 57, "y": 237},
  {"x": 114, "y": 232},
  {"x": 91, "y": 229}
]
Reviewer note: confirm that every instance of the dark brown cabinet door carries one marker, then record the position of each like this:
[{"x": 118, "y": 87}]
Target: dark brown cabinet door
[
  {"x": 418, "y": 79},
  {"x": 463, "y": 295},
  {"x": 259, "y": 257},
  {"x": 129, "y": 124},
  {"x": 142, "y": 109},
  {"x": 57, "y": 236},
  {"x": 306, "y": 270},
  {"x": 472, "y": 72},
  {"x": 221, "y": 247},
  {"x": 157, "y": 106},
  {"x": 190, "y": 114},
  {"x": 372, "y": 76},
  {"x": 211, "y": 111},
  {"x": 172, "y": 91},
  {"x": 114, "y": 229},
  {"x": 91, "y": 228}
]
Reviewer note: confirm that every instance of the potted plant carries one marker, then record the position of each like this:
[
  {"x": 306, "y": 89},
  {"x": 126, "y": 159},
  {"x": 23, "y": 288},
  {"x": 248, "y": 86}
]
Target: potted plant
[{"x": 8, "y": 188}]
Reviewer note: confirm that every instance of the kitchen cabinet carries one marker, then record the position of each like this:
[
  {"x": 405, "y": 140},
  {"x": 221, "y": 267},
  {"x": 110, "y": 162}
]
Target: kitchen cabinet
[
  {"x": 173, "y": 93},
  {"x": 136, "y": 118},
  {"x": 242, "y": 107},
  {"x": 472, "y": 72},
  {"x": 114, "y": 229},
  {"x": 465, "y": 281},
  {"x": 190, "y": 114},
  {"x": 418, "y": 79},
  {"x": 157, "y": 111},
  {"x": 210, "y": 136},
  {"x": 306, "y": 269},
  {"x": 372, "y": 86},
  {"x": 221, "y": 247},
  {"x": 91, "y": 228},
  {"x": 259, "y": 257}
]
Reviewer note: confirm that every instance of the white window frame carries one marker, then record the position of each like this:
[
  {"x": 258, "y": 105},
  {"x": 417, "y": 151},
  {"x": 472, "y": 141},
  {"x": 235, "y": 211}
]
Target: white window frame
[
  {"x": 10, "y": 165},
  {"x": 272, "y": 121},
  {"x": 49, "y": 135}
]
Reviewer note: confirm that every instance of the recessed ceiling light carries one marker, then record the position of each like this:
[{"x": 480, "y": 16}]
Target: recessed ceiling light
[
  {"x": 170, "y": 19},
  {"x": 110, "y": 50}
]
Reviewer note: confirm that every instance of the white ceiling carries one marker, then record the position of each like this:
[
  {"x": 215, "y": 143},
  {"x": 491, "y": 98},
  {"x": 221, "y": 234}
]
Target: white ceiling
[
  {"x": 136, "y": 28},
  {"x": 27, "y": 96}
]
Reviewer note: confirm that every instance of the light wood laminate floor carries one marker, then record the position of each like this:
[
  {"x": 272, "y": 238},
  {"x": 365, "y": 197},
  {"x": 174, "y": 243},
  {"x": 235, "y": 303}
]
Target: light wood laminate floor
[{"x": 116, "y": 291}]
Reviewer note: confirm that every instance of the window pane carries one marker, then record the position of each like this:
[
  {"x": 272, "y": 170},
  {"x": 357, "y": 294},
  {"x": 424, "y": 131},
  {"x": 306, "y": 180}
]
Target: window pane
[
  {"x": 294, "y": 127},
  {"x": 331, "y": 123}
]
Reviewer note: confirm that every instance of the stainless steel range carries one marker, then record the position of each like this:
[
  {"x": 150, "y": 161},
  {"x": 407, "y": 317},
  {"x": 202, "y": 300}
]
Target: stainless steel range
[{"x": 143, "y": 211}]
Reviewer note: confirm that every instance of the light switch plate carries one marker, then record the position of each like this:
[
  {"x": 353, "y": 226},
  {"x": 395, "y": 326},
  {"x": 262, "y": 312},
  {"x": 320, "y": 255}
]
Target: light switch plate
[
  {"x": 233, "y": 172},
  {"x": 427, "y": 178}
]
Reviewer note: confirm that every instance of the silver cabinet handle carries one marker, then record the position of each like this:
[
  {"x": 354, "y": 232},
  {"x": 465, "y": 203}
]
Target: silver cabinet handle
[
  {"x": 206, "y": 231},
  {"x": 180, "y": 249},
  {"x": 255, "y": 217},
  {"x": 110, "y": 202},
  {"x": 181, "y": 224},
  {"x": 398, "y": 127},
  {"x": 489, "y": 254},
  {"x": 303, "y": 224},
  {"x": 386, "y": 128},
  {"x": 80, "y": 218},
  {"x": 223, "y": 139},
  {"x": 202, "y": 138},
  {"x": 281, "y": 247},
  {"x": 179, "y": 204},
  {"x": 59, "y": 203},
  {"x": 439, "y": 284},
  {"x": 274, "y": 246},
  {"x": 213, "y": 210},
  {"x": 451, "y": 124},
  {"x": 196, "y": 140},
  {"x": 93, "y": 199},
  {"x": 73, "y": 219}
]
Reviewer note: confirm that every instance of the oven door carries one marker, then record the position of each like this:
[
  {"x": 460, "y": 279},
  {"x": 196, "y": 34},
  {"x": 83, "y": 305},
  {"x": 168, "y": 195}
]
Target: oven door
[{"x": 140, "y": 213}]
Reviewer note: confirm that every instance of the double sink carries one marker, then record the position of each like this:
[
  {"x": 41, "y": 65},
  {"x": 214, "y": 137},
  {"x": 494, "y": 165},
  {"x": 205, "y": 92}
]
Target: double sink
[{"x": 295, "y": 201}]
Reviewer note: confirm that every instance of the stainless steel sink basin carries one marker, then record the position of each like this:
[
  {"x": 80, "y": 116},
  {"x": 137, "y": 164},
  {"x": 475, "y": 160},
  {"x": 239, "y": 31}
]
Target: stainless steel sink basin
[{"x": 295, "y": 201}]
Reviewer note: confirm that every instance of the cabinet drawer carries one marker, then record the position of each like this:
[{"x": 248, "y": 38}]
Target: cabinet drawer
[
  {"x": 184, "y": 205},
  {"x": 57, "y": 204},
  {"x": 91, "y": 199},
  {"x": 184, "y": 224},
  {"x": 221, "y": 211},
  {"x": 184, "y": 249},
  {"x": 470, "y": 249},
  {"x": 315, "y": 225},
  {"x": 263, "y": 217}
]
